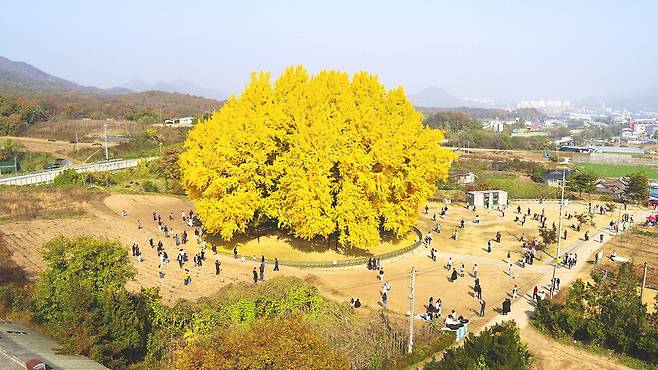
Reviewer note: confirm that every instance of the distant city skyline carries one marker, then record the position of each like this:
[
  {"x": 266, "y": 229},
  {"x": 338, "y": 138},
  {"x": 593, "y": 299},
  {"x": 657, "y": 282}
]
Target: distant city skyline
[{"x": 507, "y": 50}]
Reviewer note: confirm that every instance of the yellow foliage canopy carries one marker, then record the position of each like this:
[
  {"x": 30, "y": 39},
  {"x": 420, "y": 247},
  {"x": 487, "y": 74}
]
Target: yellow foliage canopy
[{"x": 320, "y": 154}]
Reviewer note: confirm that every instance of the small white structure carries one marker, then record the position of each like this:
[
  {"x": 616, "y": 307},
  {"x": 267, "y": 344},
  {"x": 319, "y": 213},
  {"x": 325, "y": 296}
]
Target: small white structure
[
  {"x": 462, "y": 177},
  {"x": 486, "y": 198},
  {"x": 185, "y": 120}
]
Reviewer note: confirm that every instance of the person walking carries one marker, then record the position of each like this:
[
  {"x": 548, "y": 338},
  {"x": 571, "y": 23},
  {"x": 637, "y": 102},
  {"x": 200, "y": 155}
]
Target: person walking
[
  {"x": 462, "y": 270},
  {"x": 255, "y": 273},
  {"x": 489, "y": 246},
  {"x": 218, "y": 267},
  {"x": 187, "y": 279},
  {"x": 483, "y": 305},
  {"x": 449, "y": 265},
  {"x": 453, "y": 277},
  {"x": 384, "y": 299},
  {"x": 235, "y": 252},
  {"x": 475, "y": 271},
  {"x": 601, "y": 238},
  {"x": 262, "y": 271},
  {"x": 534, "y": 293},
  {"x": 276, "y": 264},
  {"x": 380, "y": 275},
  {"x": 478, "y": 291},
  {"x": 515, "y": 292}
]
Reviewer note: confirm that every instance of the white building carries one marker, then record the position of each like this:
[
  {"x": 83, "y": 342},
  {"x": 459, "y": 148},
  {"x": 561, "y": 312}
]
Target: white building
[
  {"x": 491, "y": 199},
  {"x": 185, "y": 120}
]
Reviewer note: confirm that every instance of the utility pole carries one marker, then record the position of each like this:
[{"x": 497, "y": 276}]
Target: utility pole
[
  {"x": 76, "y": 142},
  {"x": 619, "y": 219},
  {"x": 105, "y": 129},
  {"x": 644, "y": 280},
  {"x": 559, "y": 233},
  {"x": 559, "y": 222},
  {"x": 553, "y": 279},
  {"x": 410, "y": 344}
]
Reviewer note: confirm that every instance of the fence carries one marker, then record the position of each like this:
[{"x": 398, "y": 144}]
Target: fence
[
  {"x": 346, "y": 263},
  {"x": 48, "y": 176}
]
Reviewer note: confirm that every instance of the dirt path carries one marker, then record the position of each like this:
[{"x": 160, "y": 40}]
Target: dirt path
[{"x": 550, "y": 354}]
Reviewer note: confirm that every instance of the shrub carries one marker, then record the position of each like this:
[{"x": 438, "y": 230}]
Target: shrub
[
  {"x": 607, "y": 312},
  {"x": 497, "y": 347},
  {"x": 264, "y": 344},
  {"x": 69, "y": 177},
  {"x": 150, "y": 187}
]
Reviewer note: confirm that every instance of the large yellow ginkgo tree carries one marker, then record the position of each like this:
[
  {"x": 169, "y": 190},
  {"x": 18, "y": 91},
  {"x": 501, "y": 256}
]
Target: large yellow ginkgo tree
[{"x": 322, "y": 155}]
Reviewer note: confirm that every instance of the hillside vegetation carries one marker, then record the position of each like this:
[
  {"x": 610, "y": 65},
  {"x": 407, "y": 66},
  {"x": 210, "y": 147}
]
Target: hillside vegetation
[{"x": 146, "y": 107}]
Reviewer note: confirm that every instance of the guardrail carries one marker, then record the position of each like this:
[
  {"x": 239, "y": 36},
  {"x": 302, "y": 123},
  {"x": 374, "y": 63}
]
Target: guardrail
[
  {"x": 345, "y": 263},
  {"x": 49, "y": 175}
]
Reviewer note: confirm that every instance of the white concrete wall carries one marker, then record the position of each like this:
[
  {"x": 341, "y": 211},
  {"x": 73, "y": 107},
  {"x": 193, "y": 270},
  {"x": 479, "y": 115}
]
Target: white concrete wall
[{"x": 49, "y": 176}]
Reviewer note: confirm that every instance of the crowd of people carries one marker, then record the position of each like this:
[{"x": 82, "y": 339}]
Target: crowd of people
[
  {"x": 189, "y": 224},
  {"x": 177, "y": 233}
]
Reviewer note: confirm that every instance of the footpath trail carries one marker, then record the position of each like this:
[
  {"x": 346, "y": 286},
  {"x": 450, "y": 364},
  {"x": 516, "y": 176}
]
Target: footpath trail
[
  {"x": 549, "y": 353},
  {"x": 523, "y": 308}
]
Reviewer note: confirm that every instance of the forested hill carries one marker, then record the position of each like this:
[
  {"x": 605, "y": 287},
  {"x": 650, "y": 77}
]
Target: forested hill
[
  {"x": 147, "y": 106},
  {"x": 28, "y": 95}
]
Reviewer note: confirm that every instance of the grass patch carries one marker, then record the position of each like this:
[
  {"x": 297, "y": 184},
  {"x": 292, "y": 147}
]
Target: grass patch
[
  {"x": 518, "y": 189},
  {"x": 618, "y": 170},
  {"x": 652, "y": 234},
  {"x": 44, "y": 202}
]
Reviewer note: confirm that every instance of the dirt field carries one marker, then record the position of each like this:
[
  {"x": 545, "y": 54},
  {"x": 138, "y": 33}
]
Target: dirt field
[
  {"x": 25, "y": 238},
  {"x": 473, "y": 238},
  {"x": 638, "y": 249},
  {"x": 59, "y": 149},
  {"x": 103, "y": 219}
]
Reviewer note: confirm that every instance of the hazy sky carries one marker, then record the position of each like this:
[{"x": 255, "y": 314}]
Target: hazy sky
[{"x": 492, "y": 49}]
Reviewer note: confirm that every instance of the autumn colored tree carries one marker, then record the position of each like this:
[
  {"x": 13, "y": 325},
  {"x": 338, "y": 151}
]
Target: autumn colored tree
[
  {"x": 322, "y": 155},
  {"x": 266, "y": 344}
]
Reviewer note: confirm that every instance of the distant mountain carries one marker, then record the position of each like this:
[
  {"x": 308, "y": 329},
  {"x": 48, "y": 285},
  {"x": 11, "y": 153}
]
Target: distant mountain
[
  {"x": 17, "y": 78},
  {"x": 177, "y": 86},
  {"x": 437, "y": 97}
]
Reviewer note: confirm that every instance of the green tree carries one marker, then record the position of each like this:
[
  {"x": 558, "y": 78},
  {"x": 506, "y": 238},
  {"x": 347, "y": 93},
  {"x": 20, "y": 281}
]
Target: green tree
[
  {"x": 10, "y": 149},
  {"x": 496, "y": 347},
  {"x": 69, "y": 177},
  {"x": 637, "y": 186},
  {"x": 582, "y": 182},
  {"x": 81, "y": 298},
  {"x": 608, "y": 313}
]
